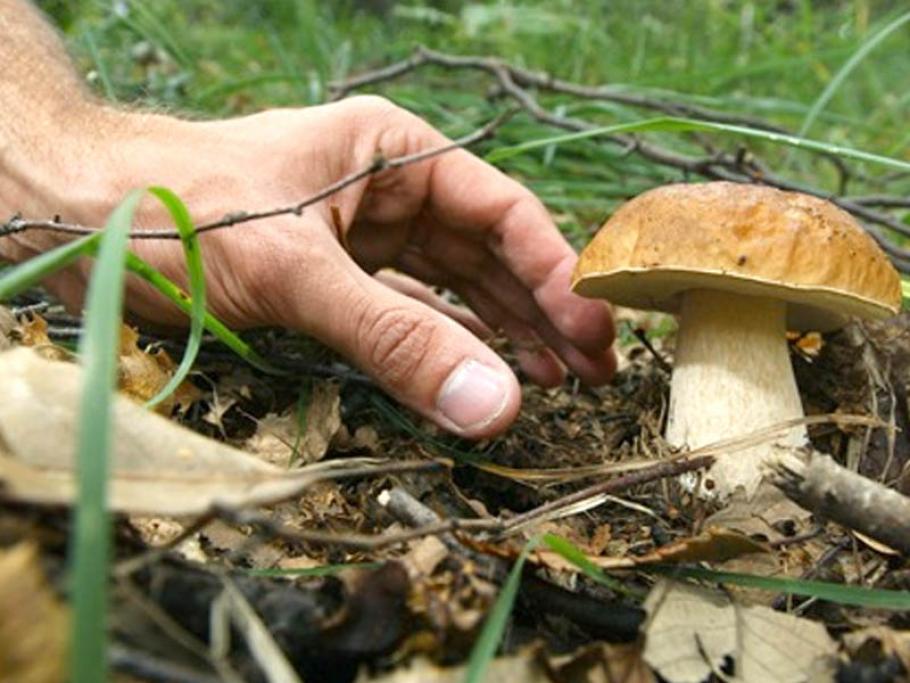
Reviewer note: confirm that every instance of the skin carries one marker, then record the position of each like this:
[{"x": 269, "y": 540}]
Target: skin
[{"x": 452, "y": 221}]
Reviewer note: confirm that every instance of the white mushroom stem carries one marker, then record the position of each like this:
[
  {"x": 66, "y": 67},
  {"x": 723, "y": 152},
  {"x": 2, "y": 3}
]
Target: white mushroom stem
[{"x": 731, "y": 376}]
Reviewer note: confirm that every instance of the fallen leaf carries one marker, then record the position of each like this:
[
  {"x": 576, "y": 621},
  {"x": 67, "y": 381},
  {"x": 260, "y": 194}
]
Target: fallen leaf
[
  {"x": 323, "y": 419},
  {"x": 33, "y": 623},
  {"x": 142, "y": 375},
  {"x": 8, "y": 324},
  {"x": 691, "y": 630},
  {"x": 157, "y": 467},
  {"x": 279, "y": 439},
  {"x": 712, "y": 545},
  {"x": 761, "y": 515},
  {"x": 32, "y": 332}
]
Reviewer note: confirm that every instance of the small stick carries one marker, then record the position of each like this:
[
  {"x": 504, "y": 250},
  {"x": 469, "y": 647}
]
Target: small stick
[
  {"x": 818, "y": 484},
  {"x": 643, "y": 338},
  {"x": 378, "y": 164}
]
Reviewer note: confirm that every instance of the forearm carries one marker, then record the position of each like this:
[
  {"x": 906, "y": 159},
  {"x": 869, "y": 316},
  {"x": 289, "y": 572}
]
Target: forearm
[
  {"x": 43, "y": 102},
  {"x": 62, "y": 150}
]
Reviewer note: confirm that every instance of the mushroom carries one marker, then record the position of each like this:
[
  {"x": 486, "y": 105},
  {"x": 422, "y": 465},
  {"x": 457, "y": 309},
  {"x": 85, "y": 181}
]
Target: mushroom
[{"x": 740, "y": 265}]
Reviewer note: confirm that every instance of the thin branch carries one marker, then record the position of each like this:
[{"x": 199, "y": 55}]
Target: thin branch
[
  {"x": 881, "y": 200},
  {"x": 542, "y": 81},
  {"x": 661, "y": 470},
  {"x": 741, "y": 168},
  {"x": 818, "y": 484},
  {"x": 379, "y": 164},
  {"x": 350, "y": 540}
]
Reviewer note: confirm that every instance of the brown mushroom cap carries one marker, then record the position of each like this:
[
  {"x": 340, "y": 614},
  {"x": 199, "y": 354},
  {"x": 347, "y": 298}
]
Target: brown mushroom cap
[{"x": 747, "y": 239}]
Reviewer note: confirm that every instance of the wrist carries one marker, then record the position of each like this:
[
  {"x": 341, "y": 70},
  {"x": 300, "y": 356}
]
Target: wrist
[{"x": 50, "y": 171}]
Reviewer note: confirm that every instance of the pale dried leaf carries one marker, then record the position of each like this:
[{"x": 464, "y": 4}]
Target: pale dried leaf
[
  {"x": 760, "y": 514},
  {"x": 323, "y": 420},
  {"x": 691, "y": 630},
  {"x": 424, "y": 556},
  {"x": 157, "y": 467},
  {"x": 8, "y": 323},
  {"x": 33, "y": 623},
  {"x": 275, "y": 439}
]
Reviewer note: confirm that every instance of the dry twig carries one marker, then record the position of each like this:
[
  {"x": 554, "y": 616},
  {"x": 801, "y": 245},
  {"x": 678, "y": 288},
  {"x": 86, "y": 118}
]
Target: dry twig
[
  {"x": 379, "y": 164},
  {"x": 738, "y": 166},
  {"x": 817, "y": 483}
]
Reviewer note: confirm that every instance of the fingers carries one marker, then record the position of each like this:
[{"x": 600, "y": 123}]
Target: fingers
[
  {"x": 417, "y": 290},
  {"x": 446, "y": 258},
  {"x": 466, "y": 195},
  {"x": 418, "y": 355}
]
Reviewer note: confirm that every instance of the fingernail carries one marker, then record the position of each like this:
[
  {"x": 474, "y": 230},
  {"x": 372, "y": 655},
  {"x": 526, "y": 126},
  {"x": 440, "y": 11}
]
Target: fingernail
[{"x": 473, "y": 395}]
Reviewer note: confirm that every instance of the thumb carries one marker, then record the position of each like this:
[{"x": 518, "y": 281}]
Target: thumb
[{"x": 424, "y": 359}]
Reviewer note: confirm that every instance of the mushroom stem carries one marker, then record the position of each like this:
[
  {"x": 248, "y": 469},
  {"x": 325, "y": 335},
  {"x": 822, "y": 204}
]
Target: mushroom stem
[{"x": 732, "y": 375}]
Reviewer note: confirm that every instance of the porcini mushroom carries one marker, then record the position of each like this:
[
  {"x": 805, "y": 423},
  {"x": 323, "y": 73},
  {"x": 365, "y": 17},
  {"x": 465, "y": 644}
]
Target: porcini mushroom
[{"x": 740, "y": 265}]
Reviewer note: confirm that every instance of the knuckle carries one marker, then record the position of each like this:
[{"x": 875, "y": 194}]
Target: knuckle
[
  {"x": 398, "y": 342},
  {"x": 372, "y": 106}
]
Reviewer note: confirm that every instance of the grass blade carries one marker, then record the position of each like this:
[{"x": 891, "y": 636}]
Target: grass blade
[
  {"x": 491, "y": 635},
  {"x": 847, "y": 68},
  {"x": 833, "y": 592},
  {"x": 858, "y": 596},
  {"x": 182, "y": 301},
  {"x": 196, "y": 272},
  {"x": 683, "y": 125},
  {"x": 29, "y": 273},
  {"x": 91, "y": 540},
  {"x": 572, "y": 553}
]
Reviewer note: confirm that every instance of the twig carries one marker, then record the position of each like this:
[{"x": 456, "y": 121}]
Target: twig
[
  {"x": 661, "y": 470},
  {"x": 350, "y": 541},
  {"x": 642, "y": 337},
  {"x": 379, "y": 163},
  {"x": 820, "y": 485},
  {"x": 882, "y": 200},
  {"x": 738, "y": 167},
  {"x": 612, "y": 621},
  {"x": 542, "y": 81}
]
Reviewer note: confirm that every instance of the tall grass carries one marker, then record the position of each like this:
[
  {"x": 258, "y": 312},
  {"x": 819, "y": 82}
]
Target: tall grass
[{"x": 91, "y": 542}]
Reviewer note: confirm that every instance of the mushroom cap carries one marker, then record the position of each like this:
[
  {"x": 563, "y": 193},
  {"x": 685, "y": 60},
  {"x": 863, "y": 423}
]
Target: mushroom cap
[{"x": 746, "y": 239}]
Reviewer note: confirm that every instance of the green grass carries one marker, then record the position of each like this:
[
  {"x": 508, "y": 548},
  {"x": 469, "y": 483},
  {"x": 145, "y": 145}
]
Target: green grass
[{"x": 91, "y": 537}]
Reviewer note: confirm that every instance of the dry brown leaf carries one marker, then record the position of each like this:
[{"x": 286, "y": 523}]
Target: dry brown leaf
[
  {"x": 142, "y": 375},
  {"x": 278, "y": 438},
  {"x": 690, "y": 630},
  {"x": 712, "y": 545},
  {"x": 33, "y": 333},
  {"x": 157, "y": 467},
  {"x": 33, "y": 623},
  {"x": 275, "y": 439},
  {"x": 323, "y": 419}
]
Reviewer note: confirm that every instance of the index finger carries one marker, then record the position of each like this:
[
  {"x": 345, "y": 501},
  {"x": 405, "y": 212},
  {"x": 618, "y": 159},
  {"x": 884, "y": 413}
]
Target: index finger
[{"x": 469, "y": 194}]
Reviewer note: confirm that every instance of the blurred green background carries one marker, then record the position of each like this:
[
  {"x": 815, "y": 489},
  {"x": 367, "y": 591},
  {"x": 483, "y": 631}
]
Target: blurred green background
[{"x": 769, "y": 60}]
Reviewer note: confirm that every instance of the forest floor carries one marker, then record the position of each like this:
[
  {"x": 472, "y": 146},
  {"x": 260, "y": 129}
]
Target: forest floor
[{"x": 421, "y": 552}]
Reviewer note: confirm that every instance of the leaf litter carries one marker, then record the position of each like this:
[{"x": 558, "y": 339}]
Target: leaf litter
[{"x": 428, "y": 598}]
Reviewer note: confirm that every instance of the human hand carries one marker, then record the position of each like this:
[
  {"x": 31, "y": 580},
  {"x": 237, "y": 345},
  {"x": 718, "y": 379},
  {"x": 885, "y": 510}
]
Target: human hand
[{"x": 452, "y": 221}]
